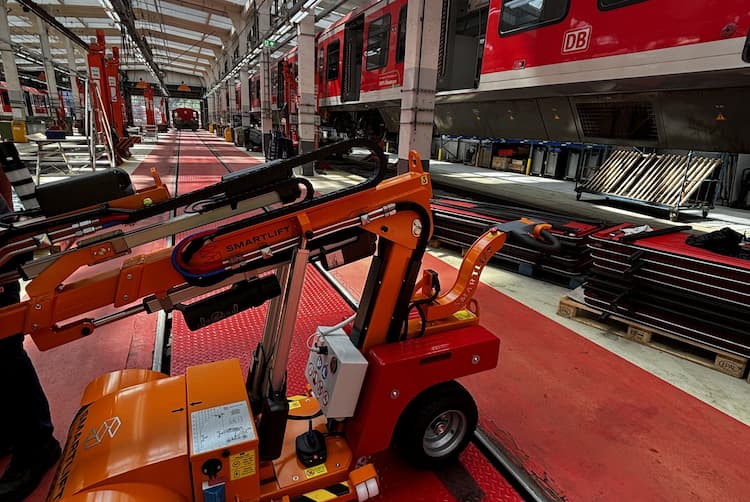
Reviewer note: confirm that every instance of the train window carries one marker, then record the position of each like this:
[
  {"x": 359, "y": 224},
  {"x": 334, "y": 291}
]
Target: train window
[
  {"x": 332, "y": 68},
  {"x": 321, "y": 64},
  {"x": 378, "y": 34},
  {"x": 522, "y": 15},
  {"x": 614, "y": 4},
  {"x": 401, "y": 40}
]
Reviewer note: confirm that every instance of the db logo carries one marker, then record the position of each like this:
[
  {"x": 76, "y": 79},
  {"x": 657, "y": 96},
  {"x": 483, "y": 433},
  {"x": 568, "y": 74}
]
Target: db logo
[{"x": 576, "y": 40}]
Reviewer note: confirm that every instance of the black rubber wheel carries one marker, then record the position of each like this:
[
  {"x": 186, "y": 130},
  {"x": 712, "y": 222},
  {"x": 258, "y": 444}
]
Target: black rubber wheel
[
  {"x": 436, "y": 427},
  {"x": 578, "y": 196}
]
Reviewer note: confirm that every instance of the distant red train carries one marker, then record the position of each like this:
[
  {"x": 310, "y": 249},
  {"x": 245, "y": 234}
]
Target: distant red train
[
  {"x": 660, "y": 73},
  {"x": 185, "y": 118},
  {"x": 36, "y": 101}
]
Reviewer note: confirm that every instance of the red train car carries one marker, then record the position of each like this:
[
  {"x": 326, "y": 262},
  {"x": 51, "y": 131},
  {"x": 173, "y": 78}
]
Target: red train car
[
  {"x": 36, "y": 101},
  {"x": 185, "y": 118},
  {"x": 360, "y": 62},
  {"x": 650, "y": 72},
  {"x": 255, "y": 94}
]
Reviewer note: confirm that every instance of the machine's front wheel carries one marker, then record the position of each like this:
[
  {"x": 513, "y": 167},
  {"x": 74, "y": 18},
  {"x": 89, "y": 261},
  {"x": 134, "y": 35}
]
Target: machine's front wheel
[{"x": 436, "y": 427}]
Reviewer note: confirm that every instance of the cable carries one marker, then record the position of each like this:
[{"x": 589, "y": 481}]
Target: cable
[
  {"x": 419, "y": 303},
  {"x": 330, "y": 330},
  {"x": 319, "y": 413}
]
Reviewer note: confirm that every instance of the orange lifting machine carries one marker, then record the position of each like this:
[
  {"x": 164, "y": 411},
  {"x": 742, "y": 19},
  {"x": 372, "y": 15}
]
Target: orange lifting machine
[{"x": 214, "y": 434}]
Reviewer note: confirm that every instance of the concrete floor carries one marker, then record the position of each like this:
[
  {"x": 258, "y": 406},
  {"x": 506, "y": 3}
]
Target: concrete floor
[{"x": 728, "y": 394}]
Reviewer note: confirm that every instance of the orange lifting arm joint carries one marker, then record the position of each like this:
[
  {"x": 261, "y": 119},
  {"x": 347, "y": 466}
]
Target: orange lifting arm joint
[{"x": 467, "y": 280}]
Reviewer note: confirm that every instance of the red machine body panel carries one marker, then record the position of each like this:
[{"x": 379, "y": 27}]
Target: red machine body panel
[{"x": 398, "y": 372}]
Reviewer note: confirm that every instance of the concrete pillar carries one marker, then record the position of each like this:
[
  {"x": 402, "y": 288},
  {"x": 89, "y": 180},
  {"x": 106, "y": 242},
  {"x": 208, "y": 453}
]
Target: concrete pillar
[
  {"x": 49, "y": 70},
  {"x": 223, "y": 103},
  {"x": 420, "y": 78},
  {"x": 266, "y": 118},
  {"x": 215, "y": 109},
  {"x": 232, "y": 94},
  {"x": 73, "y": 72},
  {"x": 245, "y": 96},
  {"x": 212, "y": 108},
  {"x": 306, "y": 87},
  {"x": 15, "y": 95}
]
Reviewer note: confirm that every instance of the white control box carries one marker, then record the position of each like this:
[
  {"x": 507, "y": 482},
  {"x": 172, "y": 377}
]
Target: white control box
[{"x": 336, "y": 377}]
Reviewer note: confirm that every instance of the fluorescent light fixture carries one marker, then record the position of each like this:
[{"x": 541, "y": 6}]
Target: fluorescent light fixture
[
  {"x": 309, "y": 4},
  {"x": 298, "y": 17},
  {"x": 284, "y": 29}
]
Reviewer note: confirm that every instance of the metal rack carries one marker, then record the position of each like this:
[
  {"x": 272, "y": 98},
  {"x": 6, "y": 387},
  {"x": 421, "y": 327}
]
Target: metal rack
[{"x": 670, "y": 181}]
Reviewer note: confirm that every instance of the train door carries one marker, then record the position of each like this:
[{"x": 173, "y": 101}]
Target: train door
[
  {"x": 353, "y": 42},
  {"x": 462, "y": 31},
  {"x": 28, "y": 101},
  {"x": 280, "y": 98}
]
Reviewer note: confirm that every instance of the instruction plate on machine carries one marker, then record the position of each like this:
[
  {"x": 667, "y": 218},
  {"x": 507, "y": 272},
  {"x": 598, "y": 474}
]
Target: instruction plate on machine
[{"x": 221, "y": 426}]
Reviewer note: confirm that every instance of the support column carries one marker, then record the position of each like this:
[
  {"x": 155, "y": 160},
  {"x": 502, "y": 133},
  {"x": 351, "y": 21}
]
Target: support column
[
  {"x": 15, "y": 95},
  {"x": 56, "y": 112},
  {"x": 266, "y": 118},
  {"x": 212, "y": 108},
  {"x": 73, "y": 72},
  {"x": 306, "y": 88},
  {"x": 224, "y": 104},
  {"x": 215, "y": 107},
  {"x": 420, "y": 78},
  {"x": 232, "y": 94},
  {"x": 245, "y": 96}
]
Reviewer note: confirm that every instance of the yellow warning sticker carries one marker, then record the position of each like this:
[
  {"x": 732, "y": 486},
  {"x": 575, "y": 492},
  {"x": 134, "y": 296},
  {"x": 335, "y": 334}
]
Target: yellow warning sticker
[
  {"x": 294, "y": 402},
  {"x": 424, "y": 179},
  {"x": 320, "y": 496},
  {"x": 318, "y": 470},
  {"x": 242, "y": 464},
  {"x": 463, "y": 315}
]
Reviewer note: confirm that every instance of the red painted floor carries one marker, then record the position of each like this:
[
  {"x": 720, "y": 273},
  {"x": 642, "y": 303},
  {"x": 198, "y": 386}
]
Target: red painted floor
[{"x": 593, "y": 426}]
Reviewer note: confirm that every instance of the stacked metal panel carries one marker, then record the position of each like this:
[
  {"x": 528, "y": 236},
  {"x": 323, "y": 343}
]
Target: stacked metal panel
[
  {"x": 656, "y": 279},
  {"x": 671, "y": 181},
  {"x": 460, "y": 221}
]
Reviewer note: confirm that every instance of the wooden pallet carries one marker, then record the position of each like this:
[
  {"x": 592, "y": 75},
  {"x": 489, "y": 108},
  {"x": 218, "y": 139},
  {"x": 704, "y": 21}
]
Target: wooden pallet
[{"x": 725, "y": 362}]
